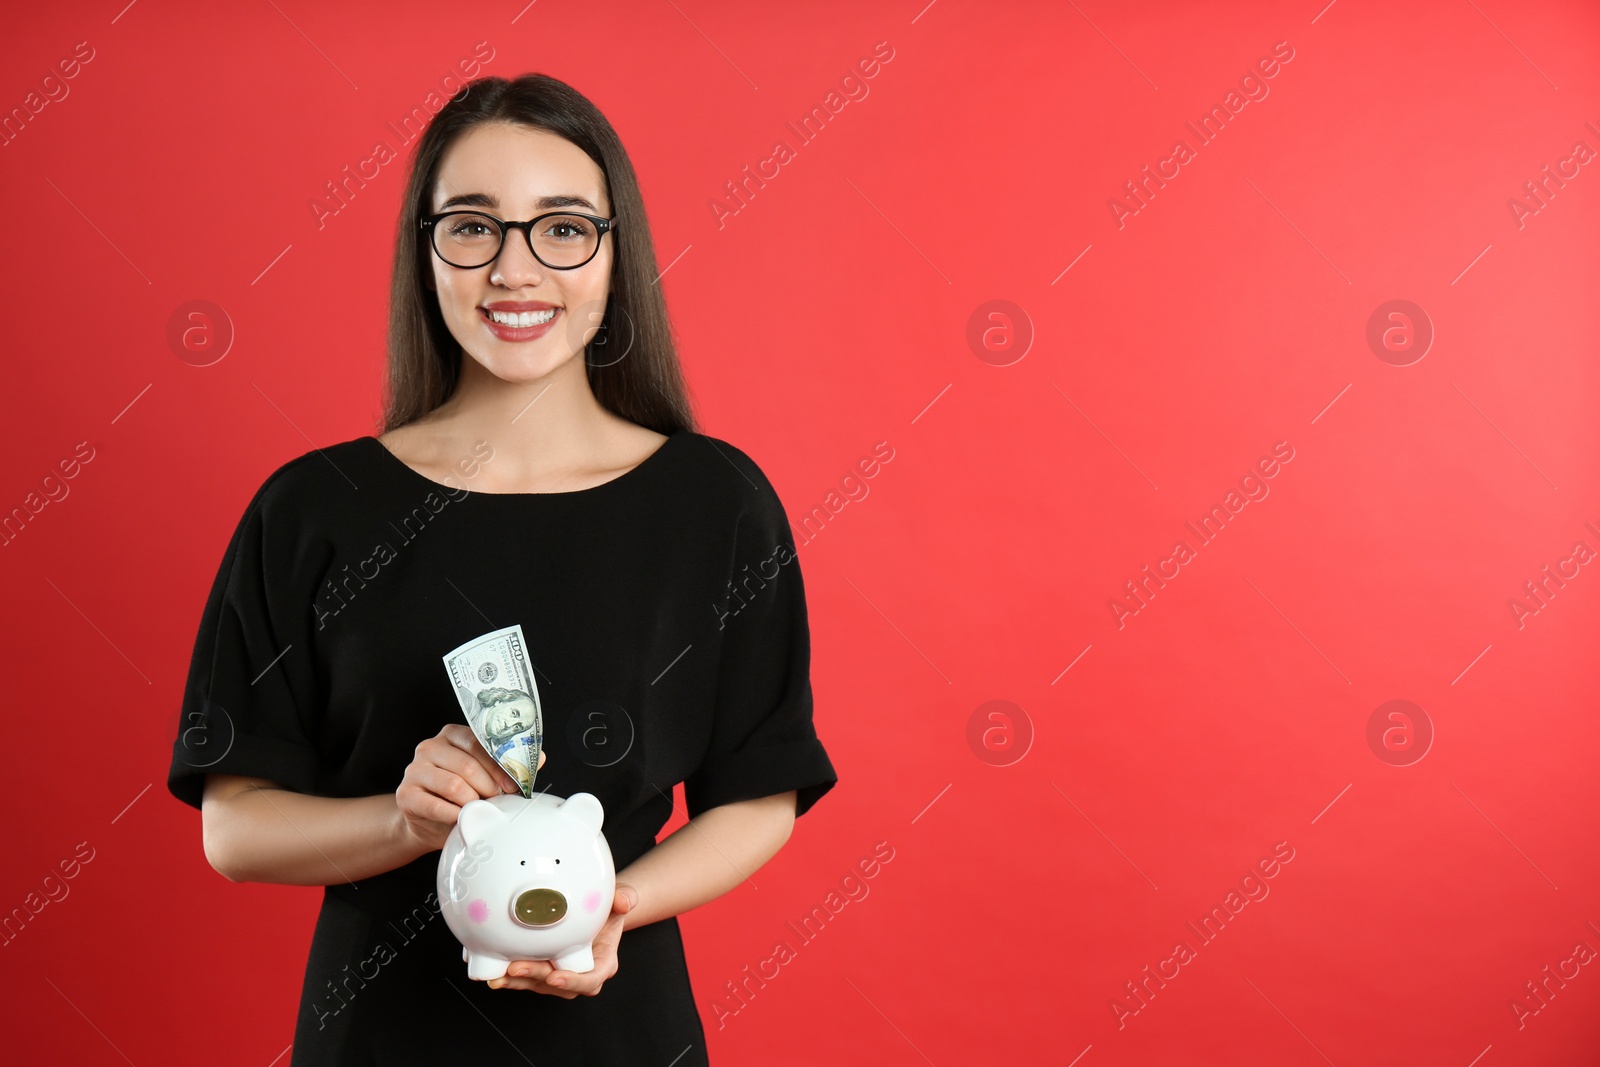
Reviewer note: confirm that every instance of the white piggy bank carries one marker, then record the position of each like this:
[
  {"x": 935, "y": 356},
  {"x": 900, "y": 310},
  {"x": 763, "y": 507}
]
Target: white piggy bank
[{"x": 527, "y": 879}]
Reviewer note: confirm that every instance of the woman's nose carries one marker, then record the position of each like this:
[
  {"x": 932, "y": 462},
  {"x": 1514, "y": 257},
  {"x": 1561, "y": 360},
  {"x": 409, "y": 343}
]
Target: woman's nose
[{"x": 516, "y": 266}]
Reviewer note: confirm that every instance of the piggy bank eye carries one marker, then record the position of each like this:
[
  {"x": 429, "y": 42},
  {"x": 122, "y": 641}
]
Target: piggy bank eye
[
  {"x": 524, "y": 863},
  {"x": 558, "y": 860}
]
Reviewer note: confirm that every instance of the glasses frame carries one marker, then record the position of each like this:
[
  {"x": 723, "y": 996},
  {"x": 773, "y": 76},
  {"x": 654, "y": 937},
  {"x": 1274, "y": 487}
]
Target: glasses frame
[{"x": 602, "y": 227}]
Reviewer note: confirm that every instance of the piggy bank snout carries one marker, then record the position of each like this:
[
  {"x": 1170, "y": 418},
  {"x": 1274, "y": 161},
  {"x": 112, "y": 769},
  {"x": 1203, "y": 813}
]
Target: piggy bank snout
[{"x": 539, "y": 907}]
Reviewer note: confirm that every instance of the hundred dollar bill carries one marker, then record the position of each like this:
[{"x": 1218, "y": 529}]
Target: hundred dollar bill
[{"x": 494, "y": 683}]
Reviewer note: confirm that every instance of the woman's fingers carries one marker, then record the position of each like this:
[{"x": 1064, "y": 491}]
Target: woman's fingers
[
  {"x": 494, "y": 777},
  {"x": 547, "y": 978},
  {"x": 438, "y": 754},
  {"x": 468, "y": 759},
  {"x": 624, "y": 898},
  {"x": 532, "y": 975},
  {"x": 574, "y": 984},
  {"x": 445, "y": 783},
  {"x": 451, "y": 770},
  {"x": 430, "y": 807}
]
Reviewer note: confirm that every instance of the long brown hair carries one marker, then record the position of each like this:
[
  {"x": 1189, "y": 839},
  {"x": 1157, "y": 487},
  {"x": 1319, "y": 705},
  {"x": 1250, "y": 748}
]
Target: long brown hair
[{"x": 645, "y": 385}]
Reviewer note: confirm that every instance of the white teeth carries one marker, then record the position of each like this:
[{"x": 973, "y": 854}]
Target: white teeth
[{"x": 522, "y": 319}]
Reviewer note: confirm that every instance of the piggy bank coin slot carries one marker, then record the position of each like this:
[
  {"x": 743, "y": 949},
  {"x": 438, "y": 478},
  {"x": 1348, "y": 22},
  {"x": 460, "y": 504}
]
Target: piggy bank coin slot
[{"x": 539, "y": 907}]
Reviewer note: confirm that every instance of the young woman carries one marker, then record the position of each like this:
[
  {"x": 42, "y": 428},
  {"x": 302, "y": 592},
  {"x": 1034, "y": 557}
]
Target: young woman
[{"x": 539, "y": 465}]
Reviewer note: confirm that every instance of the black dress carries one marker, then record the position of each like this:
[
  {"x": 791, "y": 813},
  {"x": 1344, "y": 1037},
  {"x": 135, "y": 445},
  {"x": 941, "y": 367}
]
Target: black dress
[{"x": 665, "y": 617}]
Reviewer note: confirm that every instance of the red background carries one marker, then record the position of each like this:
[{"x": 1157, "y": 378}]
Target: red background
[{"x": 829, "y": 314}]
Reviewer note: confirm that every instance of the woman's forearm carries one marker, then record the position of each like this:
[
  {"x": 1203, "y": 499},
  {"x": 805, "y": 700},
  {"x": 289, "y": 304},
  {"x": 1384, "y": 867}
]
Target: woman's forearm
[
  {"x": 707, "y": 856},
  {"x": 272, "y": 834},
  {"x": 267, "y": 833}
]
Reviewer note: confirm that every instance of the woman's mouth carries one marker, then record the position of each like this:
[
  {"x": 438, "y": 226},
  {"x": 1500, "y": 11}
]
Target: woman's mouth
[{"x": 519, "y": 325}]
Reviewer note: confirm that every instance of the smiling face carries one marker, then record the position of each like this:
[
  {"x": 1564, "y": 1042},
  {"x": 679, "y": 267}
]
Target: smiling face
[{"x": 516, "y": 173}]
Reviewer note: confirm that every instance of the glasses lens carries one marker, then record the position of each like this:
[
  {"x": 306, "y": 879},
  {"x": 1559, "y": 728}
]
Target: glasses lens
[
  {"x": 467, "y": 240},
  {"x": 565, "y": 240}
]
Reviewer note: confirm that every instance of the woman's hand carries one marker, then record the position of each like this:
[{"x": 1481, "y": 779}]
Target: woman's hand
[
  {"x": 542, "y": 976},
  {"x": 450, "y": 771}
]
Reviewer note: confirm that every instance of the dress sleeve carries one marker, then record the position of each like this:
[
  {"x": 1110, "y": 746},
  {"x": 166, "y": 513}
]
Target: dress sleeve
[
  {"x": 247, "y": 705},
  {"x": 763, "y": 740}
]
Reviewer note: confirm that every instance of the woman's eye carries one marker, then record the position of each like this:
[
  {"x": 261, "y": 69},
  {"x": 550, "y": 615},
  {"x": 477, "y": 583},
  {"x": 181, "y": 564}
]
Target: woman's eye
[{"x": 567, "y": 231}]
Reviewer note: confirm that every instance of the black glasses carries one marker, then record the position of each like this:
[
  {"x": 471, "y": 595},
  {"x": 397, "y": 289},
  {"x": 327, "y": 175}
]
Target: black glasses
[{"x": 470, "y": 239}]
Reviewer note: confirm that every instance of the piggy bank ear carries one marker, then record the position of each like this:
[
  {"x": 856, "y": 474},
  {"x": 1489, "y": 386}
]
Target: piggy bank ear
[
  {"x": 478, "y": 820},
  {"x": 585, "y": 807}
]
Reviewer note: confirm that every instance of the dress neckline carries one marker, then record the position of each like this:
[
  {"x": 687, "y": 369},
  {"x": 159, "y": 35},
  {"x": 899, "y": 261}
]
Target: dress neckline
[{"x": 630, "y": 473}]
